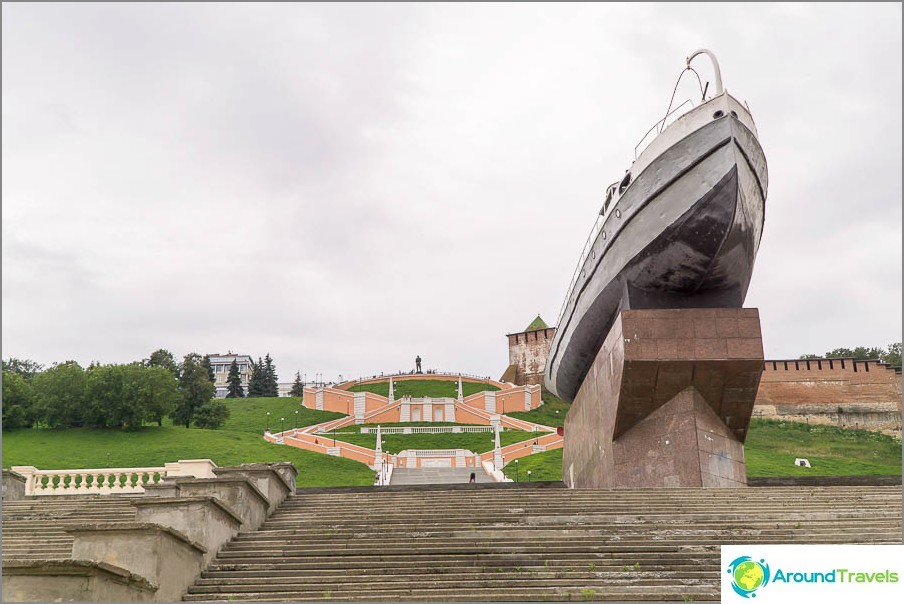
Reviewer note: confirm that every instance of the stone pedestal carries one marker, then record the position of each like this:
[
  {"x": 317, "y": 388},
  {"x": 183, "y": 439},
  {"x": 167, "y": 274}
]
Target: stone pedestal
[{"x": 667, "y": 401}]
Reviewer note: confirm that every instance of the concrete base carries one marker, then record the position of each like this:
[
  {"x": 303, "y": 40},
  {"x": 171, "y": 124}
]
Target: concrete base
[{"x": 667, "y": 401}]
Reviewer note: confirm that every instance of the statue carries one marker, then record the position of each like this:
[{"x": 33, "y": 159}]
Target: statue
[{"x": 417, "y": 363}]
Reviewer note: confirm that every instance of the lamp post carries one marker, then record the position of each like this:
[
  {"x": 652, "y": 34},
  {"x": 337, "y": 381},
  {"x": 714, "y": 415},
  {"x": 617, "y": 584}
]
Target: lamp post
[
  {"x": 268, "y": 421},
  {"x": 296, "y": 420},
  {"x": 528, "y": 476},
  {"x": 282, "y": 425},
  {"x": 517, "y": 474}
]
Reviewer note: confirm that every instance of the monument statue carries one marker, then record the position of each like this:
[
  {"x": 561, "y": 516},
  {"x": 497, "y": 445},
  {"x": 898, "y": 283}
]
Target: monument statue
[
  {"x": 417, "y": 364},
  {"x": 653, "y": 347}
]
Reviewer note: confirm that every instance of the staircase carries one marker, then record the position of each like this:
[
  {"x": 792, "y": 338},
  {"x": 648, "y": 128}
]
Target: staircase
[
  {"x": 34, "y": 528},
  {"x": 520, "y": 542}
]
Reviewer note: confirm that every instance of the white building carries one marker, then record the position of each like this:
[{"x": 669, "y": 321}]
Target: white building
[{"x": 221, "y": 363}]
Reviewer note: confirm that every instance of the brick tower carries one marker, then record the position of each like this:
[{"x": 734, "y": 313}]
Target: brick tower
[{"x": 528, "y": 350}]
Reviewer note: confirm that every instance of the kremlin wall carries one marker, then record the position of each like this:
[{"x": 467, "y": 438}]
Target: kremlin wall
[{"x": 840, "y": 392}]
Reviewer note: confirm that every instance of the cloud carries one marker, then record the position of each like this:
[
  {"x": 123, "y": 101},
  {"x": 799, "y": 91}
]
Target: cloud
[{"x": 349, "y": 186}]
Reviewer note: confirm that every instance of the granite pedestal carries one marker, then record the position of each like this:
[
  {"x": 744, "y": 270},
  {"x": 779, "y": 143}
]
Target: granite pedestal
[{"x": 667, "y": 401}]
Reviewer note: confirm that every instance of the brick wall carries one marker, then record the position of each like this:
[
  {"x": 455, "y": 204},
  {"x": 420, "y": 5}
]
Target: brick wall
[
  {"x": 527, "y": 354},
  {"x": 841, "y": 392}
]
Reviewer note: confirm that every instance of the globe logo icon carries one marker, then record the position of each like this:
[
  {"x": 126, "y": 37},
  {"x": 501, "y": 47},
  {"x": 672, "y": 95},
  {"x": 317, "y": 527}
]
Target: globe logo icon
[{"x": 748, "y": 575}]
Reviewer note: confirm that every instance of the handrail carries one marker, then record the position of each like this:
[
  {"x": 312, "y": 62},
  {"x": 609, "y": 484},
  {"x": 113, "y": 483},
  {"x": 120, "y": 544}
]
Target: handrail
[{"x": 656, "y": 125}]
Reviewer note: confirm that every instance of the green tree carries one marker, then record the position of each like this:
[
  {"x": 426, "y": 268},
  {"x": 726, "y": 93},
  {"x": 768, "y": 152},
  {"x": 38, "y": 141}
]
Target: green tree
[
  {"x": 24, "y": 367},
  {"x": 205, "y": 363},
  {"x": 18, "y": 401},
  {"x": 211, "y": 415},
  {"x": 271, "y": 387},
  {"x": 163, "y": 358},
  {"x": 256, "y": 381},
  {"x": 60, "y": 395},
  {"x": 105, "y": 404},
  {"x": 893, "y": 355},
  {"x": 297, "y": 386},
  {"x": 156, "y": 390},
  {"x": 195, "y": 389},
  {"x": 234, "y": 382}
]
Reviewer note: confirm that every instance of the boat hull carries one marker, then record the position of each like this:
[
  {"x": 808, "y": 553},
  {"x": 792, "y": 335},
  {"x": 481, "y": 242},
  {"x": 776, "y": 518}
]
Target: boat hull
[{"x": 684, "y": 235}]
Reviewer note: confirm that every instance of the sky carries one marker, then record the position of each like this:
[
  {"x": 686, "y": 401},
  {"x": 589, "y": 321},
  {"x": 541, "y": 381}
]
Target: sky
[{"x": 349, "y": 186}]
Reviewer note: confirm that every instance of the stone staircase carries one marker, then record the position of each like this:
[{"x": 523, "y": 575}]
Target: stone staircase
[
  {"x": 519, "y": 542},
  {"x": 34, "y": 528}
]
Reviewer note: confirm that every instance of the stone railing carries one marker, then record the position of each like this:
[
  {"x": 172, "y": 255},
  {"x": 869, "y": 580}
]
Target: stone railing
[
  {"x": 107, "y": 481},
  {"x": 437, "y": 453},
  {"x": 427, "y": 429}
]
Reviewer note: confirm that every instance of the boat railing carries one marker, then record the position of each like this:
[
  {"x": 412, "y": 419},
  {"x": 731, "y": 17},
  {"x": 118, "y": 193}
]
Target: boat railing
[
  {"x": 659, "y": 126},
  {"x": 588, "y": 245}
]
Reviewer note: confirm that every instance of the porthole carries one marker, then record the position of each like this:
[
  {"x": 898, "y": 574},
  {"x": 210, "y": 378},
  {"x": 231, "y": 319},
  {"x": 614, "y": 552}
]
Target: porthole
[
  {"x": 718, "y": 114},
  {"x": 604, "y": 234},
  {"x": 593, "y": 254},
  {"x": 618, "y": 213},
  {"x": 734, "y": 114}
]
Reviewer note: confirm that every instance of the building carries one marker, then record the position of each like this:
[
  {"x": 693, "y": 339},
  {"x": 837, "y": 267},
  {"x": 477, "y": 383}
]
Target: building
[
  {"x": 528, "y": 350},
  {"x": 220, "y": 364}
]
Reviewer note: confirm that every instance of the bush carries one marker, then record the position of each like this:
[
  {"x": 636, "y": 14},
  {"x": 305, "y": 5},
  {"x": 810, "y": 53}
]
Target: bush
[{"x": 211, "y": 415}]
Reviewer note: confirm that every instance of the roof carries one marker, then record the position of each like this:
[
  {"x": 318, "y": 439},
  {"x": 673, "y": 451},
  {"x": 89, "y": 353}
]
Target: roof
[{"x": 536, "y": 324}]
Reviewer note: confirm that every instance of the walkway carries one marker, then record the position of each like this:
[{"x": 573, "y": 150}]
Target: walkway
[{"x": 437, "y": 476}]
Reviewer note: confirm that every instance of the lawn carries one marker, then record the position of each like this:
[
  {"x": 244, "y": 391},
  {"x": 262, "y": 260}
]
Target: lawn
[
  {"x": 545, "y": 414},
  {"x": 239, "y": 441},
  {"x": 771, "y": 448},
  {"x": 478, "y": 442},
  {"x": 421, "y": 388}
]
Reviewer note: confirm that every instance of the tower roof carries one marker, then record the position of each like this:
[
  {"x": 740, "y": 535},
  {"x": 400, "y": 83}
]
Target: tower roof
[{"x": 536, "y": 324}]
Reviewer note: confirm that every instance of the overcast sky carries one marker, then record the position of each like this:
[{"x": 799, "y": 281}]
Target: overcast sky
[{"x": 348, "y": 186}]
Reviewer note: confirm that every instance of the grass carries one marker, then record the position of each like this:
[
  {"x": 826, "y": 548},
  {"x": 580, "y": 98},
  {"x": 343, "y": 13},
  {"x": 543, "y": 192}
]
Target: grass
[
  {"x": 546, "y": 414},
  {"x": 772, "y": 446},
  {"x": 238, "y": 441},
  {"x": 543, "y": 467},
  {"x": 421, "y": 388},
  {"x": 478, "y": 442},
  {"x": 770, "y": 450}
]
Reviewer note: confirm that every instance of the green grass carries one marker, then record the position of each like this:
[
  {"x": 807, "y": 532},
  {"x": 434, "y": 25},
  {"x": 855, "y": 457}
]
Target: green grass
[
  {"x": 250, "y": 414},
  {"x": 421, "y": 388},
  {"x": 771, "y": 448},
  {"x": 478, "y": 442},
  {"x": 543, "y": 466},
  {"x": 545, "y": 414},
  {"x": 238, "y": 441}
]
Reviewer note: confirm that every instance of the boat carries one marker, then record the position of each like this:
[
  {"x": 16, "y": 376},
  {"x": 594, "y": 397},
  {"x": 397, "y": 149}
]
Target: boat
[{"x": 680, "y": 229}]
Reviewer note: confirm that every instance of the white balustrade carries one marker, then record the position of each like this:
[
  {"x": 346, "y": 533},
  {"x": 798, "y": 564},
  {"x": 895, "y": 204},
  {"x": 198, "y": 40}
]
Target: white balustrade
[
  {"x": 107, "y": 481},
  {"x": 427, "y": 429}
]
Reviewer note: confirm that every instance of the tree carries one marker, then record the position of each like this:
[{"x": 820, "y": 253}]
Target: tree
[
  {"x": 893, "y": 355},
  {"x": 18, "y": 401},
  {"x": 256, "y": 385},
  {"x": 297, "y": 386},
  {"x": 205, "y": 363},
  {"x": 271, "y": 387},
  {"x": 24, "y": 367},
  {"x": 195, "y": 388},
  {"x": 234, "y": 382},
  {"x": 163, "y": 358},
  {"x": 155, "y": 388},
  {"x": 211, "y": 415},
  {"x": 60, "y": 395}
]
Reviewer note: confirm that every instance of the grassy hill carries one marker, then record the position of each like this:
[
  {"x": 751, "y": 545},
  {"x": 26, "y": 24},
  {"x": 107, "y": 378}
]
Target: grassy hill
[
  {"x": 238, "y": 441},
  {"x": 420, "y": 388},
  {"x": 545, "y": 414},
  {"x": 771, "y": 448},
  {"x": 477, "y": 442}
]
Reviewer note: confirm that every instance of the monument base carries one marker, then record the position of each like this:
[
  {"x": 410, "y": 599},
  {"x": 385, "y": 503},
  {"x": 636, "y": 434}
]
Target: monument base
[{"x": 667, "y": 401}]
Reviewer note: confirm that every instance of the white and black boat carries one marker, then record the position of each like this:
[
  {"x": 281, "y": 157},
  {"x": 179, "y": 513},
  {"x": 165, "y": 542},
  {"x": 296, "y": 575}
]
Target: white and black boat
[{"x": 681, "y": 229}]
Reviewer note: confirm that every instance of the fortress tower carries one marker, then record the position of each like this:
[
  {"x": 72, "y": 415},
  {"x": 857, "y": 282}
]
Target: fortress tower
[{"x": 528, "y": 350}]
